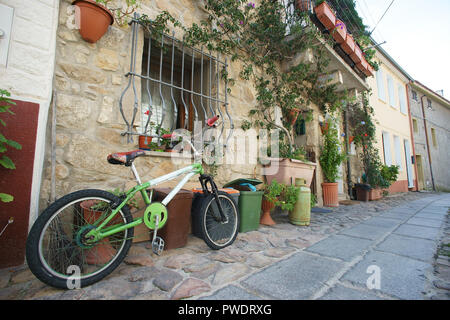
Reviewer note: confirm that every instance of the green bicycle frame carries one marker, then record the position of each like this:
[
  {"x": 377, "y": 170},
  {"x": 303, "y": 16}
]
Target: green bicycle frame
[{"x": 101, "y": 232}]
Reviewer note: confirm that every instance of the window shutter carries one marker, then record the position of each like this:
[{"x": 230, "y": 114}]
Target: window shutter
[
  {"x": 380, "y": 85},
  {"x": 387, "y": 149},
  {"x": 398, "y": 152},
  {"x": 390, "y": 83},
  {"x": 401, "y": 97}
]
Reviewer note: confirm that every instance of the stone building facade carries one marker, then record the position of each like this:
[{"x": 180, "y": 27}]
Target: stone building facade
[{"x": 430, "y": 116}]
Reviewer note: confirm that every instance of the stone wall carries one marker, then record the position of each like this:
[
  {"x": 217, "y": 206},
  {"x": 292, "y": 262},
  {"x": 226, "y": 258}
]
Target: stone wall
[{"x": 89, "y": 79}]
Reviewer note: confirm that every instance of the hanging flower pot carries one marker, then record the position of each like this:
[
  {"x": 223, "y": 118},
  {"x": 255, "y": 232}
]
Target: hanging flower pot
[
  {"x": 93, "y": 19},
  {"x": 293, "y": 115},
  {"x": 339, "y": 32},
  {"x": 348, "y": 45},
  {"x": 324, "y": 127},
  {"x": 369, "y": 70},
  {"x": 330, "y": 194},
  {"x": 303, "y": 5},
  {"x": 325, "y": 15},
  {"x": 350, "y": 139},
  {"x": 362, "y": 65},
  {"x": 356, "y": 56}
]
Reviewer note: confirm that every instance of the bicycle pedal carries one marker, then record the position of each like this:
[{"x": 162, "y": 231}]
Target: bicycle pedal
[{"x": 158, "y": 245}]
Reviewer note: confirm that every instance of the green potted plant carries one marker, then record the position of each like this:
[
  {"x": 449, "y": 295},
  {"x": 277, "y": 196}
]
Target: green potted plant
[
  {"x": 277, "y": 194},
  {"x": 331, "y": 157}
]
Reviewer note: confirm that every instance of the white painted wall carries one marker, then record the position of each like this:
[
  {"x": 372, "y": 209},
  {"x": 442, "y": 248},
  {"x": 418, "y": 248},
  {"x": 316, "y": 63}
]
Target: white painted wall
[{"x": 28, "y": 74}]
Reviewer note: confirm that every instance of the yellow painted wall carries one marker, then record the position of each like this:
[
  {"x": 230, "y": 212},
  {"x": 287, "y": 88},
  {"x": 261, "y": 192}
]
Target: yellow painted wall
[{"x": 389, "y": 118}]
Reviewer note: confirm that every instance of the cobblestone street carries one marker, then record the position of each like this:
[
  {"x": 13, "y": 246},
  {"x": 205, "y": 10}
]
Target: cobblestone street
[{"x": 401, "y": 234}]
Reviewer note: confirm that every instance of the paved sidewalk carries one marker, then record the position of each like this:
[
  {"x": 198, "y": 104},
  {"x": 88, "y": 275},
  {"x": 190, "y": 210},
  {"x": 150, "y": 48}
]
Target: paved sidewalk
[
  {"x": 327, "y": 260},
  {"x": 399, "y": 244}
]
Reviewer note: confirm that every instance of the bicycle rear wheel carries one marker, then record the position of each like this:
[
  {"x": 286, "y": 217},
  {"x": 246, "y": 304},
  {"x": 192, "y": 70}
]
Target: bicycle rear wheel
[
  {"x": 57, "y": 245},
  {"x": 215, "y": 233}
]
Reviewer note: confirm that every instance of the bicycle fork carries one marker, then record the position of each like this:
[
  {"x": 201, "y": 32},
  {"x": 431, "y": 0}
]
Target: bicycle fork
[{"x": 217, "y": 207}]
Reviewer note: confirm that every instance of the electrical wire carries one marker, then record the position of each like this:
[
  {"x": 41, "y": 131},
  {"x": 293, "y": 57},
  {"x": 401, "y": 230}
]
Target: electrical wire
[{"x": 381, "y": 17}]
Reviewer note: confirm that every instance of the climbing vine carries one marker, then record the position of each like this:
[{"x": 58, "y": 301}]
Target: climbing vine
[{"x": 263, "y": 37}]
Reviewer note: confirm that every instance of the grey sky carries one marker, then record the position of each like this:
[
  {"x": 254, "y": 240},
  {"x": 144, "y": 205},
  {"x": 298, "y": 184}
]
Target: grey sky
[{"x": 417, "y": 34}]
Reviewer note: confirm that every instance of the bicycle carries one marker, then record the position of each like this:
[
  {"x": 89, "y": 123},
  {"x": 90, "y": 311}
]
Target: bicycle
[{"x": 93, "y": 229}]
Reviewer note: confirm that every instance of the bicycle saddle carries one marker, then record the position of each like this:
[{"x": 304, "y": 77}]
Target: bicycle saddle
[{"x": 125, "y": 158}]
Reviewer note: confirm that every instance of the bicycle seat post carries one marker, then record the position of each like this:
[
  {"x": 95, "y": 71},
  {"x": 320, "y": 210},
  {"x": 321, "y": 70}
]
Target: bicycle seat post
[{"x": 135, "y": 173}]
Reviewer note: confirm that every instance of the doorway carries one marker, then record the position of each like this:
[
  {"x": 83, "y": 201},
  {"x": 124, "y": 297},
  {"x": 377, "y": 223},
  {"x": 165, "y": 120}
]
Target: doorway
[{"x": 420, "y": 177}]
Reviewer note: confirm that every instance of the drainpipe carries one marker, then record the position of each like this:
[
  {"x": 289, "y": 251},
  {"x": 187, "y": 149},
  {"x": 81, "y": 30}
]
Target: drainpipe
[
  {"x": 347, "y": 148},
  {"x": 426, "y": 139},
  {"x": 412, "y": 137}
]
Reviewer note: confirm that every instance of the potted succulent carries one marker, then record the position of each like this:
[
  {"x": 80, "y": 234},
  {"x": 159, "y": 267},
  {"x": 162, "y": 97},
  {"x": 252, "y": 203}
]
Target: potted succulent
[
  {"x": 93, "y": 19},
  {"x": 330, "y": 159}
]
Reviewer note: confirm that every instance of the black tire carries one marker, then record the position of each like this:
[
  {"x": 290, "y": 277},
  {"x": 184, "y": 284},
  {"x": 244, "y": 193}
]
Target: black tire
[
  {"x": 206, "y": 224},
  {"x": 50, "y": 218}
]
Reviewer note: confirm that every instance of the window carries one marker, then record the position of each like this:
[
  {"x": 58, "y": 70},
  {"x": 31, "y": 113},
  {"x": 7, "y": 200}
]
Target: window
[
  {"x": 415, "y": 126},
  {"x": 380, "y": 85},
  {"x": 402, "y": 99},
  {"x": 433, "y": 137},
  {"x": 429, "y": 106},
  {"x": 398, "y": 153},
  {"x": 387, "y": 149},
  {"x": 414, "y": 95},
  {"x": 392, "y": 100}
]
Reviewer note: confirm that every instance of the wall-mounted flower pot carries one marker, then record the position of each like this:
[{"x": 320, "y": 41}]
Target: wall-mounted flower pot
[
  {"x": 356, "y": 56},
  {"x": 369, "y": 70},
  {"x": 325, "y": 15},
  {"x": 144, "y": 142},
  {"x": 303, "y": 5},
  {"x": 362, "y": 65},
  {"x": 293, "y": 115},
  {"x": 330, "y": 194},
  {"x": 339, "y": 32},
  {"x": 93, "y": 18},
  {"x": 348, "y": 45}
]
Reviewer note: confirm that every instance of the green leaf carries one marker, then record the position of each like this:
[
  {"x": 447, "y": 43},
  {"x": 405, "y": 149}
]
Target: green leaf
[
  {"x": 7, "y": 163},
  {"x": 6, "y": 197},
  {"x": 14, "y": 144}
]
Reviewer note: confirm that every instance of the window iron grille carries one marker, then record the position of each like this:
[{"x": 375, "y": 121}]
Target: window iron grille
[{"x": 197, "y": 100}]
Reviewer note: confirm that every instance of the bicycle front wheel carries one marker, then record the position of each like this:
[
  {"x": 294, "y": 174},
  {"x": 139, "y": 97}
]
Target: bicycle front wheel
[
  {"x": 216, "y": 233},
  {"x": 58, "y": 251}
]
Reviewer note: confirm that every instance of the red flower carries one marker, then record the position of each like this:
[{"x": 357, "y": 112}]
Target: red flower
[{"x": 365, "y": 134}]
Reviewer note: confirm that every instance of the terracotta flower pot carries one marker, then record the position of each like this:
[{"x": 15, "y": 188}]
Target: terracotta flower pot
[
  {"x": 293, "y": 115},
  {"x": 339, "y": 32},
  {"x": 93, "y": 18},
  {"x": 325, "y": 15},
  {"x": 286, "y": 170},
  {"x": 356, "y": 56},
  {"x": 369, "y": 70},
  {"x": 362, "y": 65},
  {"x": 144, "y": 142},
  {"x": 375, "y": 194},
  {"x": 266, "y": 207},
  {"x": 330, "y": 194},
  {"x": 348, "y": 45},
  {"x": 303, "y": 5},
  {"x": 103, "y": 251}
]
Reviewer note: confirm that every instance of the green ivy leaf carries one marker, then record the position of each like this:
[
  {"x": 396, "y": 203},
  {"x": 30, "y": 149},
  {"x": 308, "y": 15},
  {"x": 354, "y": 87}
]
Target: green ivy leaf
[{"x": 7, "y": 162}]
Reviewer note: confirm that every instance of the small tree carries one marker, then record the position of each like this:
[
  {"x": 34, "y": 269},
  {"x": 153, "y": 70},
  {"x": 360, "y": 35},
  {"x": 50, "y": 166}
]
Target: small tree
[{"x": 331, "y": 155}]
